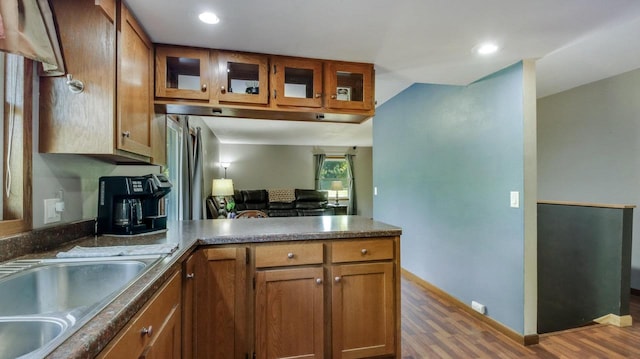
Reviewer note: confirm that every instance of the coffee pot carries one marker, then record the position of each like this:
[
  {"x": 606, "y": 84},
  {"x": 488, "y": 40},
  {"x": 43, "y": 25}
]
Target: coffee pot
[{"x": 129, "y": 205}]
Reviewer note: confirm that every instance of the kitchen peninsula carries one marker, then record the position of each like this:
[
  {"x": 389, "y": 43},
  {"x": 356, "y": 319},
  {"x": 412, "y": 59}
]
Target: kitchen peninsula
[{"x": 323, "y": 287}]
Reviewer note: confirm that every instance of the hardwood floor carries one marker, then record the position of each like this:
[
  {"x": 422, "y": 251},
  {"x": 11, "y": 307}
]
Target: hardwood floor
[{"x": 433, "y": 328}]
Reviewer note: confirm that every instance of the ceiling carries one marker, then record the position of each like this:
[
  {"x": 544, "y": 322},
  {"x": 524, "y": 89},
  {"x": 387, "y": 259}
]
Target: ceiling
[{"x": 427, "y": 41}]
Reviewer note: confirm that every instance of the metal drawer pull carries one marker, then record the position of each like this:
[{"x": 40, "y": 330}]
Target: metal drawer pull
[
  {"x": 190, "y": 275},
  {"x": 290, "y": 255},
  {"x": 319, "y": 280},
  {"x": 363, "y": 251},
  {"x": 337, "y": 279},
  {"x": 147, "y": 331},
  {"x": 126, "y": 134},
  {"x": 204, "y": 88}
]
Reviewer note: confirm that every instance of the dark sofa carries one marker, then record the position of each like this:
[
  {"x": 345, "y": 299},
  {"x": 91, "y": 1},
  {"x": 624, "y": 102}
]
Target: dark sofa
[{"x": 307, "y": 202}]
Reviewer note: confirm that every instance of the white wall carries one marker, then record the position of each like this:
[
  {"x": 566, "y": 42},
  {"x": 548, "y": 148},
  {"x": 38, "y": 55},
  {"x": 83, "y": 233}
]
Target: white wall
[
  {"x": 589, "y": 147},
  {"x": 272, "y": 167}
]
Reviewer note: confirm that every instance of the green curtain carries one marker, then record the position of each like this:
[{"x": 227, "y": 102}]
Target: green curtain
[
  {"x": 352, "y": 207},
  {"x": 319, "y": 161}
]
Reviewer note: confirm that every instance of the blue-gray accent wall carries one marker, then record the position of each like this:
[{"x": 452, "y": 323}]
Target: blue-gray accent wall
[{"x": 445, "y": 159}]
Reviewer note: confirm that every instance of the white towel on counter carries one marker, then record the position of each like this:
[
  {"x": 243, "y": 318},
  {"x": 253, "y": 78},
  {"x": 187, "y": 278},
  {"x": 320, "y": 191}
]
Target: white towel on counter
[{"x": 138, "y": 250}]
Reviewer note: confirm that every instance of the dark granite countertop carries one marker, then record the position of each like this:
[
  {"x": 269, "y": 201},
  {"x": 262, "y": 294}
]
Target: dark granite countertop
[{"x": 89, "y": 340}]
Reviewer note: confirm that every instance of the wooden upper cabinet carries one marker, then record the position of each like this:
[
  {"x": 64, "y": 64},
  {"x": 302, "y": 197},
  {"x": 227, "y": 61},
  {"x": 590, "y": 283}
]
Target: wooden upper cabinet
[
  {"x": 135, "y": 86},
  {"x": 242, "y": 78},
  {"x": 108, "y": 51},
  {"x": 349, "y": 85},
  {"x": 296, "y": 82},
  {"x": 183, "y": 73},
  {"x": 252, "y": 85}
]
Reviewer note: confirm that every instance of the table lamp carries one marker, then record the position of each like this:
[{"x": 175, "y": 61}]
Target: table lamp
[
  {"x": 219, "y": 189},
  {"x": 336, "y": 186}
]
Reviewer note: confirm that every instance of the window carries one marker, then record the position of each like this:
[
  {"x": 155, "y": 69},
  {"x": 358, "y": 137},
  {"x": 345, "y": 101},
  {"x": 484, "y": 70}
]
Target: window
[
  {"x": 16, "y": 76},
  {"x": 335, "y": 169}
]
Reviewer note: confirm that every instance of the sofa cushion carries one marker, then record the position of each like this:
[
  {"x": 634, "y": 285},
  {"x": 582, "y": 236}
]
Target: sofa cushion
[
  {"x": 255, "y": 196},
  {"x": 261, "y": 205},
  {"x": 281, "y": 205},
  {"x": 282, "y": 195},
  {"x": 310, "y": 195},
  {"x": 310, "y": 205}
]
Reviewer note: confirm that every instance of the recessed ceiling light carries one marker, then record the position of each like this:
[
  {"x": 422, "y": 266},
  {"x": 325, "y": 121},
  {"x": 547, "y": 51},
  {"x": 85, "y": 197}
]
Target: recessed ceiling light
[
  {"x": 487, "y": 48},
  {"x": 209, "y": 18}
]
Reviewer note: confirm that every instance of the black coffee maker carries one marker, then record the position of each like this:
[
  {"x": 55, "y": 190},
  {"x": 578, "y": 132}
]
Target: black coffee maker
[{"x": 129, "y": 205}]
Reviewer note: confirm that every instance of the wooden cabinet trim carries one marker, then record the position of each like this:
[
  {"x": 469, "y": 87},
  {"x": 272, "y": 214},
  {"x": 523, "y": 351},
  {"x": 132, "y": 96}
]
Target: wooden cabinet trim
[
  {"x": 108, "y": 7},
  {"x": 220, "y": 253}
]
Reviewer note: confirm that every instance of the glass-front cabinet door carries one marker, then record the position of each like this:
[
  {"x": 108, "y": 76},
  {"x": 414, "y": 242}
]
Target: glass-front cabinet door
[
  {"x": 296, "y": 82},
  {"x": 242, "y": 78},
  {"x": 182, "y": 73},
  {"x": 349, "y": 86}
]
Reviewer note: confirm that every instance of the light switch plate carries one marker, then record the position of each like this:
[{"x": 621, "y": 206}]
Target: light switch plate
[{"x": 515, "y": 199}]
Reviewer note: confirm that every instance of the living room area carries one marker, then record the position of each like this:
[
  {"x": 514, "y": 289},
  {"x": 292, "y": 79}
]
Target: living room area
[{"x": 269, "y": 166}]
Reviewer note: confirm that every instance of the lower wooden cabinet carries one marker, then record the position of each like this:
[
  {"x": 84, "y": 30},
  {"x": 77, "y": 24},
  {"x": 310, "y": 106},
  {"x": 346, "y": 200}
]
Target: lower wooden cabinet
[
  {"x": 363, "y": 299},
  {"x": 155, "y": 332},
  {"x": 215, "y": 320},
  {"x": 314, "y": 299},
  {"x": 362, "y": 303},
  {"x": 289, "y": 313}
]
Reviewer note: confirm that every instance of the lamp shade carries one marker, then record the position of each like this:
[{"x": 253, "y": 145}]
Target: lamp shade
[
  {"x": 222, "y": 187},
  {"x": 336, "y": 185}
]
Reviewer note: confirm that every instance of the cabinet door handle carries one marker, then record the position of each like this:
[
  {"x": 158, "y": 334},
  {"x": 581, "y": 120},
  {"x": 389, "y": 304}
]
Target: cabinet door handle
[
  {"x": 318, "y": 95},
  {"x": 204, "y": 88},
  {"x": 146, "y": 331},
  {"x": 126, "y": 134},
  {"x": 319, "y": 280},
  {"x": 275, "y": 94},
  {"x": 363, "y": 251},
  {"x": 290, "y": 255},
  {"x": 333, "y": 97},
  {"x": 222, "y": 89},
  {"x": 190, "y": 275},
  {"x": 337, "y": 279}
]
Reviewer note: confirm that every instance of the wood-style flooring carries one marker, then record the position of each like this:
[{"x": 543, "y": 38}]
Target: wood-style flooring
[{"x": 434, "y": 328}]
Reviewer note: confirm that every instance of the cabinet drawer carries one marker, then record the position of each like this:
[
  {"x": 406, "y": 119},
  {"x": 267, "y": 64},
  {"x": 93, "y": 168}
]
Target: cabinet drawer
[
  {"x": 133, "y": 339},
  {"x": 289, "y": 255},
  {"x": 358, "y": 251}
]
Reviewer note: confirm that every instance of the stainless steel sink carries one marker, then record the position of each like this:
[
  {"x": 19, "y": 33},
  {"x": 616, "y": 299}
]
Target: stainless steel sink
[
  {"x": 19, "y": 336},
  {"x": 42, "y": 302}
]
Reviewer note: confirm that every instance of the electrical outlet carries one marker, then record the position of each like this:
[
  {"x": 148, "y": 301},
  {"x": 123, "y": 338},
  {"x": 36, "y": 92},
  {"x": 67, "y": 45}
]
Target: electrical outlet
[
  {"x": 480, "y": 308},
  {"x": 50, "y": 213}
]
